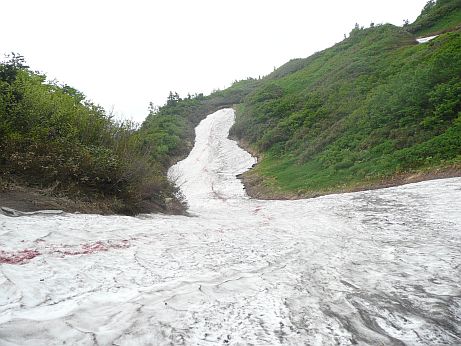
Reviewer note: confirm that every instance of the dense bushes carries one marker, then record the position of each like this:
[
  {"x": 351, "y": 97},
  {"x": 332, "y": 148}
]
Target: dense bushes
[
  {"x": 52, "y": 137},
  {"x": 437, "y": 16}
]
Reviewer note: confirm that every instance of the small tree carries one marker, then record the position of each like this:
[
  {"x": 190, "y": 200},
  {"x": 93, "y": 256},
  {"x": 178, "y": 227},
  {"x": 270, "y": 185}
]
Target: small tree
[
  {"x": 77, "y": 95},
  {"x": 153, "y": 109},
  {"x": 428, "y": 6},
  {"x": 173, "y": 98},
  {"x": 9, "y": 69}
]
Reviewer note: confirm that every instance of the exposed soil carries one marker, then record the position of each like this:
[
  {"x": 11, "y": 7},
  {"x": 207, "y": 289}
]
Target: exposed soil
[{"x": 30, "y": 199}]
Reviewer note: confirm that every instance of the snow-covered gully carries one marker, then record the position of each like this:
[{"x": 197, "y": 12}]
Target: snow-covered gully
[{"x": 378, "y": 267}]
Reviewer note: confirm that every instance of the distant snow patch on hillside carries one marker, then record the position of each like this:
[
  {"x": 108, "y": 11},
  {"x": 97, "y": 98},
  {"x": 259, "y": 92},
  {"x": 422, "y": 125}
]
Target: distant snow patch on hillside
[{"x": 426, "y": 39}]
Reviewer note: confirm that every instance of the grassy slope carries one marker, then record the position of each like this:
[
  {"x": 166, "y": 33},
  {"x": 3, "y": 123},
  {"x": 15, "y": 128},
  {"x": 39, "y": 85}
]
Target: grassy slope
[
  {"x": 435, "y": 18},
  {"x": 375, "y": 106}
]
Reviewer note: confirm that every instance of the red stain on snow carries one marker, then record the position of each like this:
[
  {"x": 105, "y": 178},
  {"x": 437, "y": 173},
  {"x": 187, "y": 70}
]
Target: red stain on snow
[
  {"x": 24, "y": 256},
  {"x": 89, "y": 248},
  {"x": 19, "y": 257}
]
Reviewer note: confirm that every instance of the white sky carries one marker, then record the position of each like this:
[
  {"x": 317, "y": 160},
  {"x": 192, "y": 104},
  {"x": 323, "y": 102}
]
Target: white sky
[{"x": 123, "y": 54}]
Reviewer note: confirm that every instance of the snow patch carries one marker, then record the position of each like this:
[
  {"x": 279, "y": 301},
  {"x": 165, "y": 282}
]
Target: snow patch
[
  {"x": 425, "y": 39},
  {"x": 372, "y": 267}
]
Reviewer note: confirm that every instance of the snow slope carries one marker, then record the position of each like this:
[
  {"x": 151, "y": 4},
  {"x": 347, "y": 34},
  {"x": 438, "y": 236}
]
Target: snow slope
[
  {"x": 370, "y": 268},
  {"x": 425, "y": 39}
]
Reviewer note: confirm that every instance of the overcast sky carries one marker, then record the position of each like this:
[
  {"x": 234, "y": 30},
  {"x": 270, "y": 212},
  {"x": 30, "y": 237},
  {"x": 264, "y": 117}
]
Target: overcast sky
[{"x": 124, "y": 54}]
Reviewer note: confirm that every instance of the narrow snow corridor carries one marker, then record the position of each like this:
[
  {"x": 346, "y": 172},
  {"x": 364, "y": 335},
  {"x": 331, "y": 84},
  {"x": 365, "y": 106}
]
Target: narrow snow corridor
[{"x": 379, "y": 267}]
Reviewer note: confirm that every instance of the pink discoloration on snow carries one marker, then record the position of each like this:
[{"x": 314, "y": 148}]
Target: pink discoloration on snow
[
  {"x": 19, "y": 257},
  {"x": 24, "y": 256},
  {"x": 90, "y": 248}
]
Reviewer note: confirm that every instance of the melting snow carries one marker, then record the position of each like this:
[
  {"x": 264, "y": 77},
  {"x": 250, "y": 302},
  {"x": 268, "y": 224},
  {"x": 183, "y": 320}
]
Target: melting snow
[
  {"x": 374, "y": 267},
  {"x": 425, "y": 39}
]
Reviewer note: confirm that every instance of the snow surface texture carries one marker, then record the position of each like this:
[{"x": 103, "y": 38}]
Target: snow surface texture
[
  {"x": 426, "y": 39},
  {"x": 370, "y": 268}
]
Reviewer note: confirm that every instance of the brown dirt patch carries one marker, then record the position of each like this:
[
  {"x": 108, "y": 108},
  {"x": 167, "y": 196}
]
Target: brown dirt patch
[{"x": 30, "y": 199}]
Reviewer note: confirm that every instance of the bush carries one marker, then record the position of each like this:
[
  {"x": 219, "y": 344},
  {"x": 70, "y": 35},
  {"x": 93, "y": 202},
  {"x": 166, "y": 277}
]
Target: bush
[{"x": 53, "y": 137}]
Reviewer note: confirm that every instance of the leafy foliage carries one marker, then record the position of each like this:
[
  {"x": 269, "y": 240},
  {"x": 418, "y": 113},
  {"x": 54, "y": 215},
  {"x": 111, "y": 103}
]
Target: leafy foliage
[
  {"x": 52, "y": 137},
  {"x": 437, "y": 17},
  {"x": 168, "y": 132},
  {"x": 372, "y": 106}
]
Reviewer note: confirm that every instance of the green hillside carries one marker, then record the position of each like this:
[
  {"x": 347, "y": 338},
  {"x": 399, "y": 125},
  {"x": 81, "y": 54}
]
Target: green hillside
[
  {"x": 375, "y": 106},
  {"x": 168, "y": 132},
  {"x": 437, "y": 17},
  {"x": 374, "y": 109}
]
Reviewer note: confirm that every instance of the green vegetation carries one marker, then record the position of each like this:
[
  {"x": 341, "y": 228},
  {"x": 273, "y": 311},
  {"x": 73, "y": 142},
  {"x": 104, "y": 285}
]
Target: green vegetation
[
  {"x": 373, "y": 106},
  {"x": 168, "y": 132},
  {"x": 53, "y": 138},
  {"x": 437, "y": 17}
]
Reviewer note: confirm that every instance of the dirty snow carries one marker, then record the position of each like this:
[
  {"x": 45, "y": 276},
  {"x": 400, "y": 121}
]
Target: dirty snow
[{"x": 379, "y": 267}]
